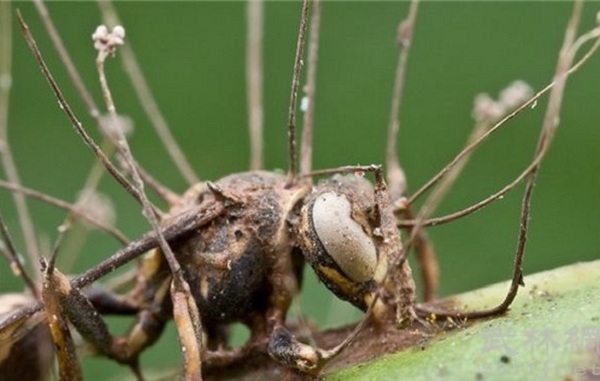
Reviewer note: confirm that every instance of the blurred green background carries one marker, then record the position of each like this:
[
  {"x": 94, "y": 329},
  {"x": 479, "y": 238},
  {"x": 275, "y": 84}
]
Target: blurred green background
[{"x": 193, "y": 56}]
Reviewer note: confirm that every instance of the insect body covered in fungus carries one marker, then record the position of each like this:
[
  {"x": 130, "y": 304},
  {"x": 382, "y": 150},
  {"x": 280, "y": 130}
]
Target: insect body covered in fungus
[
  {"x": 240, "y": 266},
  {"x": 239, "y": 246},
  {"x": 246, "y": 264}
]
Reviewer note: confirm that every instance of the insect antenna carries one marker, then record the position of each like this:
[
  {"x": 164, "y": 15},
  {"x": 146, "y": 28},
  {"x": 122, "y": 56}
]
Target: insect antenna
[{"x": 36, "y": 340}]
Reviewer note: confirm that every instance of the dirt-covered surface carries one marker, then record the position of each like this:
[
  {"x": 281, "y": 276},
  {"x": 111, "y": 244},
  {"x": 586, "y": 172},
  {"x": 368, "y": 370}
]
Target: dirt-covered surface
[{"x": 371, "y": 343}]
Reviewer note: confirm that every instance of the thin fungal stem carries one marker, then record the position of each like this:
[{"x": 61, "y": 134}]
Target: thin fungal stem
[
  {"x": 254, "y": 80},
  {"x": 298, "y": 63},
  {"x": 163, "y": 192},
  {"x": 13, "y": 258},
  {"x": 310, "y": 89},
  {"x": 497, "y": 126},
  {"x": 478, "y": 206},
  {"x": 64, "y": 205},
  {"x": 397, "y": 183},
  {"x": 91, "y": 183},
  {"x": 395, "y": 175},
  {"x": 147, "y": 100},
  {"x": 427, "y": 261},
  {"x": 8, "y": 161},
  {"x": 96, "y": 172},
  {"x": 82, "y": 90},
  {"x": 60, "y": 239},
  {"x": 549, "y": 127},
  {"x": 185, "y": 310},
  {"x": 65, "y": 58},
  {"x": 444, "y": 186},
  {"x": 593, "y": 34},
  {"x": 117, "y": 175},
  {"x": 346, "y": 169},
  {"x": 107, "y": 146},
  {"x": 149, "y": 210}
]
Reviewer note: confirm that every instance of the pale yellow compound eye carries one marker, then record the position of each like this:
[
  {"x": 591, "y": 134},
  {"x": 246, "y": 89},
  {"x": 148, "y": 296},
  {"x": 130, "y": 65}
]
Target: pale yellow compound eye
[{"x": 342, "y": 237}]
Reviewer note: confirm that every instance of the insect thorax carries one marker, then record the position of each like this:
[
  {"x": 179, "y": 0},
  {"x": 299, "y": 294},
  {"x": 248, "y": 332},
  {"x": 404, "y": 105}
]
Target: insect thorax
[{"x": 228, "y": 262}]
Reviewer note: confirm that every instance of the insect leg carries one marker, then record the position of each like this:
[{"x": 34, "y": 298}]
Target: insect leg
[
  {"x": 88, "y": 322},
  {"x": 56, "y": 292},
  {"x": 108, "y": 303}
]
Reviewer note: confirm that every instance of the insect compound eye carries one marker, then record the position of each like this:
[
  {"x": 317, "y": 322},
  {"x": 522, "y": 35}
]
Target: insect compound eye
[{"x": 342, "y": 237}]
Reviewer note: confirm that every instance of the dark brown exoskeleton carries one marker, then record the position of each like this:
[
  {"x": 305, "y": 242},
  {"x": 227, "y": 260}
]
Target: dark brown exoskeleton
[{"x": 233, "y": 250}]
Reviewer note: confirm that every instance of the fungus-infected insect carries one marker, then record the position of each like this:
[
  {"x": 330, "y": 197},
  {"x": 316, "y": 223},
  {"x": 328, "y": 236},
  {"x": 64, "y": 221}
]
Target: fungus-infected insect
[{"x": 240, "y": 244}]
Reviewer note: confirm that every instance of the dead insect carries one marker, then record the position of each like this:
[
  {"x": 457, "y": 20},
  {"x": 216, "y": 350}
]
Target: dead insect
[{"x": 233, "y": 250}]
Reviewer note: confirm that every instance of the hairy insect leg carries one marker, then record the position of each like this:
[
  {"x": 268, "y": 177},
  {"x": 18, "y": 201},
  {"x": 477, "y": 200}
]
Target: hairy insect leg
[
  {"x": 85, "y": 318},
  {"x": 106, "y": 302}
]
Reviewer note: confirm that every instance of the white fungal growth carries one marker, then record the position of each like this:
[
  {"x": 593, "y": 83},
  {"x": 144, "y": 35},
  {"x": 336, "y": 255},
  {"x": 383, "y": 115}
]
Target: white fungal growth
[
  {"x": 515, "y": 94},
  {"x": 98, "y": 206},
  {"x": 488, "y": 110},
  {"x": 119, "y": 32},
  {"x": 106, "y": 42},
  {"x": 100, "y": 33},
  {"x": 343, "y": 238},
  {"x": 111, "y": 127},
  {"x": 304, "y": 104}
]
